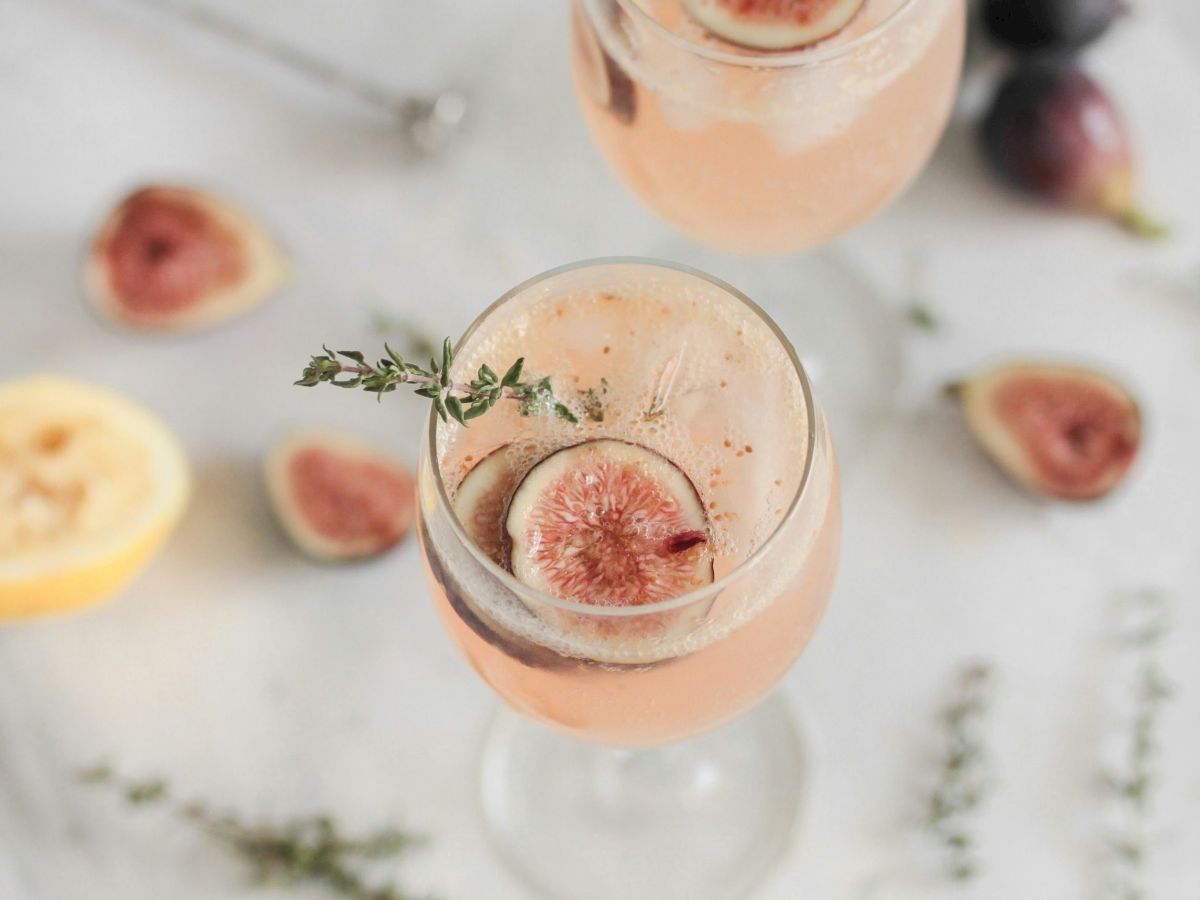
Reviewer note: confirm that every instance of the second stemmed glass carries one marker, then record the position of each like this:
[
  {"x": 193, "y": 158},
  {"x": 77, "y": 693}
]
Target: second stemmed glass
[{"x": 761, "y": 153}]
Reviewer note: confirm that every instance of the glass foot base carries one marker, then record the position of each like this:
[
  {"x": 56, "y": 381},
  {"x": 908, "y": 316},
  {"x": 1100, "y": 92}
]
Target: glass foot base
[
  {"x": 707, "y": 819},
  {"x": 844, "y": 334}
]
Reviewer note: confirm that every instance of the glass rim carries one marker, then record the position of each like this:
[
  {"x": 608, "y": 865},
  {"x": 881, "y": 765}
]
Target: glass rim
[
  {"x": 799, "y": 58},
  {"x": 717, "y": 585}
]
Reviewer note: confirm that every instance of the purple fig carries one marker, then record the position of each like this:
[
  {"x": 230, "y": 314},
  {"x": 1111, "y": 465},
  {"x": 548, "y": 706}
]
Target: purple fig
[
  {"x": 1031, "y": 26},
  {"x": 1053, "y": 132}
]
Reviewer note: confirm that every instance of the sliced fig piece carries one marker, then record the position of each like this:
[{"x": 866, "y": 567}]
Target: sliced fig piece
[
  {"x": 1059, "y": 431},
  {"x": 609, "y": 84},
  {"x": 774, "y": 24},
  {"x": 607, "y": 523},
  {"x": 1053, "y": 132},
  {"x": 1032, "y": 26},
  {"x": 339, "y": 498},
  {"x": 172, "y": 259},
  {"x": 482, "y": 498},
  {"x": 604, "y": 523},
  {"x": 524, "y": 651}
]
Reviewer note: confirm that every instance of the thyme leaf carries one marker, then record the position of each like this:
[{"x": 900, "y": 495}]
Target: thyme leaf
[{"x": 962, "y": 778}]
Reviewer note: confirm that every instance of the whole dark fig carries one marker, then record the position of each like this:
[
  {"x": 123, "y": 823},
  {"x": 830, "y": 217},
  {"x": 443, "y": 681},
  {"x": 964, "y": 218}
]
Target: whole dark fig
[
  {"x": 1029, "y": 26},
  {"x": 1053, "y": 132}
]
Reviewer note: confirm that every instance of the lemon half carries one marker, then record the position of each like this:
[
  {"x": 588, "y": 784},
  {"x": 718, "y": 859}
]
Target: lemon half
[{"x": 91, "y": 484}]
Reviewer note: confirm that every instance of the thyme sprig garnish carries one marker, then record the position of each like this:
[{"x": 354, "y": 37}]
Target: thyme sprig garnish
[
  {"x": 308, "y": 850},
  {"x": 962, "y": 773},
  {"x": 458, "y": 400},
  {"x": 1131, "y": 785}
]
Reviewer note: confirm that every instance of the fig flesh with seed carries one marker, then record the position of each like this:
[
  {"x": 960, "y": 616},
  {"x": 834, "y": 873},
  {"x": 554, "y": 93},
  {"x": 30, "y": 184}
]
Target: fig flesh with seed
[
  {"x": 338, "y": 498},
  {"x": 1059, "y": 431},
  {"x": 172, "y": 259},
  {"x": 774, "y": 24},
  {"x": 607, "y": 523}
]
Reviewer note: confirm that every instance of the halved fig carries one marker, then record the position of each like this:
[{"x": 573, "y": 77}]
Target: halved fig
[
  {"x": 339, "y": 498},
  {"x": 774, "y": 24},
  {"x": 1060, "y": 431},
  {"x": 482, "y": 498},
  {"x": 607, "y": 523},
  {"x": 602, "y": 75},
  {"x": 172, "y": 259}
]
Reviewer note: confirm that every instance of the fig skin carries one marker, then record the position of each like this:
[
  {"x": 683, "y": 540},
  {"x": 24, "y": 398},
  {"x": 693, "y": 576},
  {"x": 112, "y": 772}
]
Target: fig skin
[
  {"x": 175, "y": 259},
  {"x": 1036, "y": 26},
  {"x": 1059, "y": 431},
  {"x": 1053, "y": 133},
  {"x": 339, "y": 499}
]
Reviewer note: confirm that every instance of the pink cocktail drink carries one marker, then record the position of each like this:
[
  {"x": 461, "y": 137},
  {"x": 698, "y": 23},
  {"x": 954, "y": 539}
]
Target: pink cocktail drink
[{"x": 682, "y": 381}]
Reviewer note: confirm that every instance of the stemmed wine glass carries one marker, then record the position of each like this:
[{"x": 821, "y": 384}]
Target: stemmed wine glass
[
  {"x": 635, "y": 577},
  {"x": 768, "y": 152}
]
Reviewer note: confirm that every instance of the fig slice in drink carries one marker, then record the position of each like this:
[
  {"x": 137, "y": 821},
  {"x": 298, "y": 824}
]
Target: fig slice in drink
[
  {"x": 774, "y": 24},
  {"x": 609, "y": 523},
  {"x": 482, "y": 497}
]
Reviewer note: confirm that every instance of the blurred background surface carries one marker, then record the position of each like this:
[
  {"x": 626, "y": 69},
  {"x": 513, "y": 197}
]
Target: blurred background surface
[{"x": 259, "y": 680}]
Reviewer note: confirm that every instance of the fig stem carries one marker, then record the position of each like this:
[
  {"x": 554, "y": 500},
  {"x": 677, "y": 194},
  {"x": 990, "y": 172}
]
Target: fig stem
[{"x": 1140, "y": 223}]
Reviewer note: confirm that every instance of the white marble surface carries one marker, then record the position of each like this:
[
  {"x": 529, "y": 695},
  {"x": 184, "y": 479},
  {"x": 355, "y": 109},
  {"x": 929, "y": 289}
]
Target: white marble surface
[{"x": 252, "y": 677}]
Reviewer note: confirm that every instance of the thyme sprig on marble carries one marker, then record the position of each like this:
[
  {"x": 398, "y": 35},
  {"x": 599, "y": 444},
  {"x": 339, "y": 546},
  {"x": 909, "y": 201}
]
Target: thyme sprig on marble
[
  {"x": 1131, "y": 784},
  {"x": 962, "y": 779},
  {"x": 458, "y": 400},
  {"x": 309, "y": 850}
]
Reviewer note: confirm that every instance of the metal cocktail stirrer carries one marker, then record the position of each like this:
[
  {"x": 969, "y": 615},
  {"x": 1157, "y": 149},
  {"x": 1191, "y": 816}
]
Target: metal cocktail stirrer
[{"x": 426, "y": 123}]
